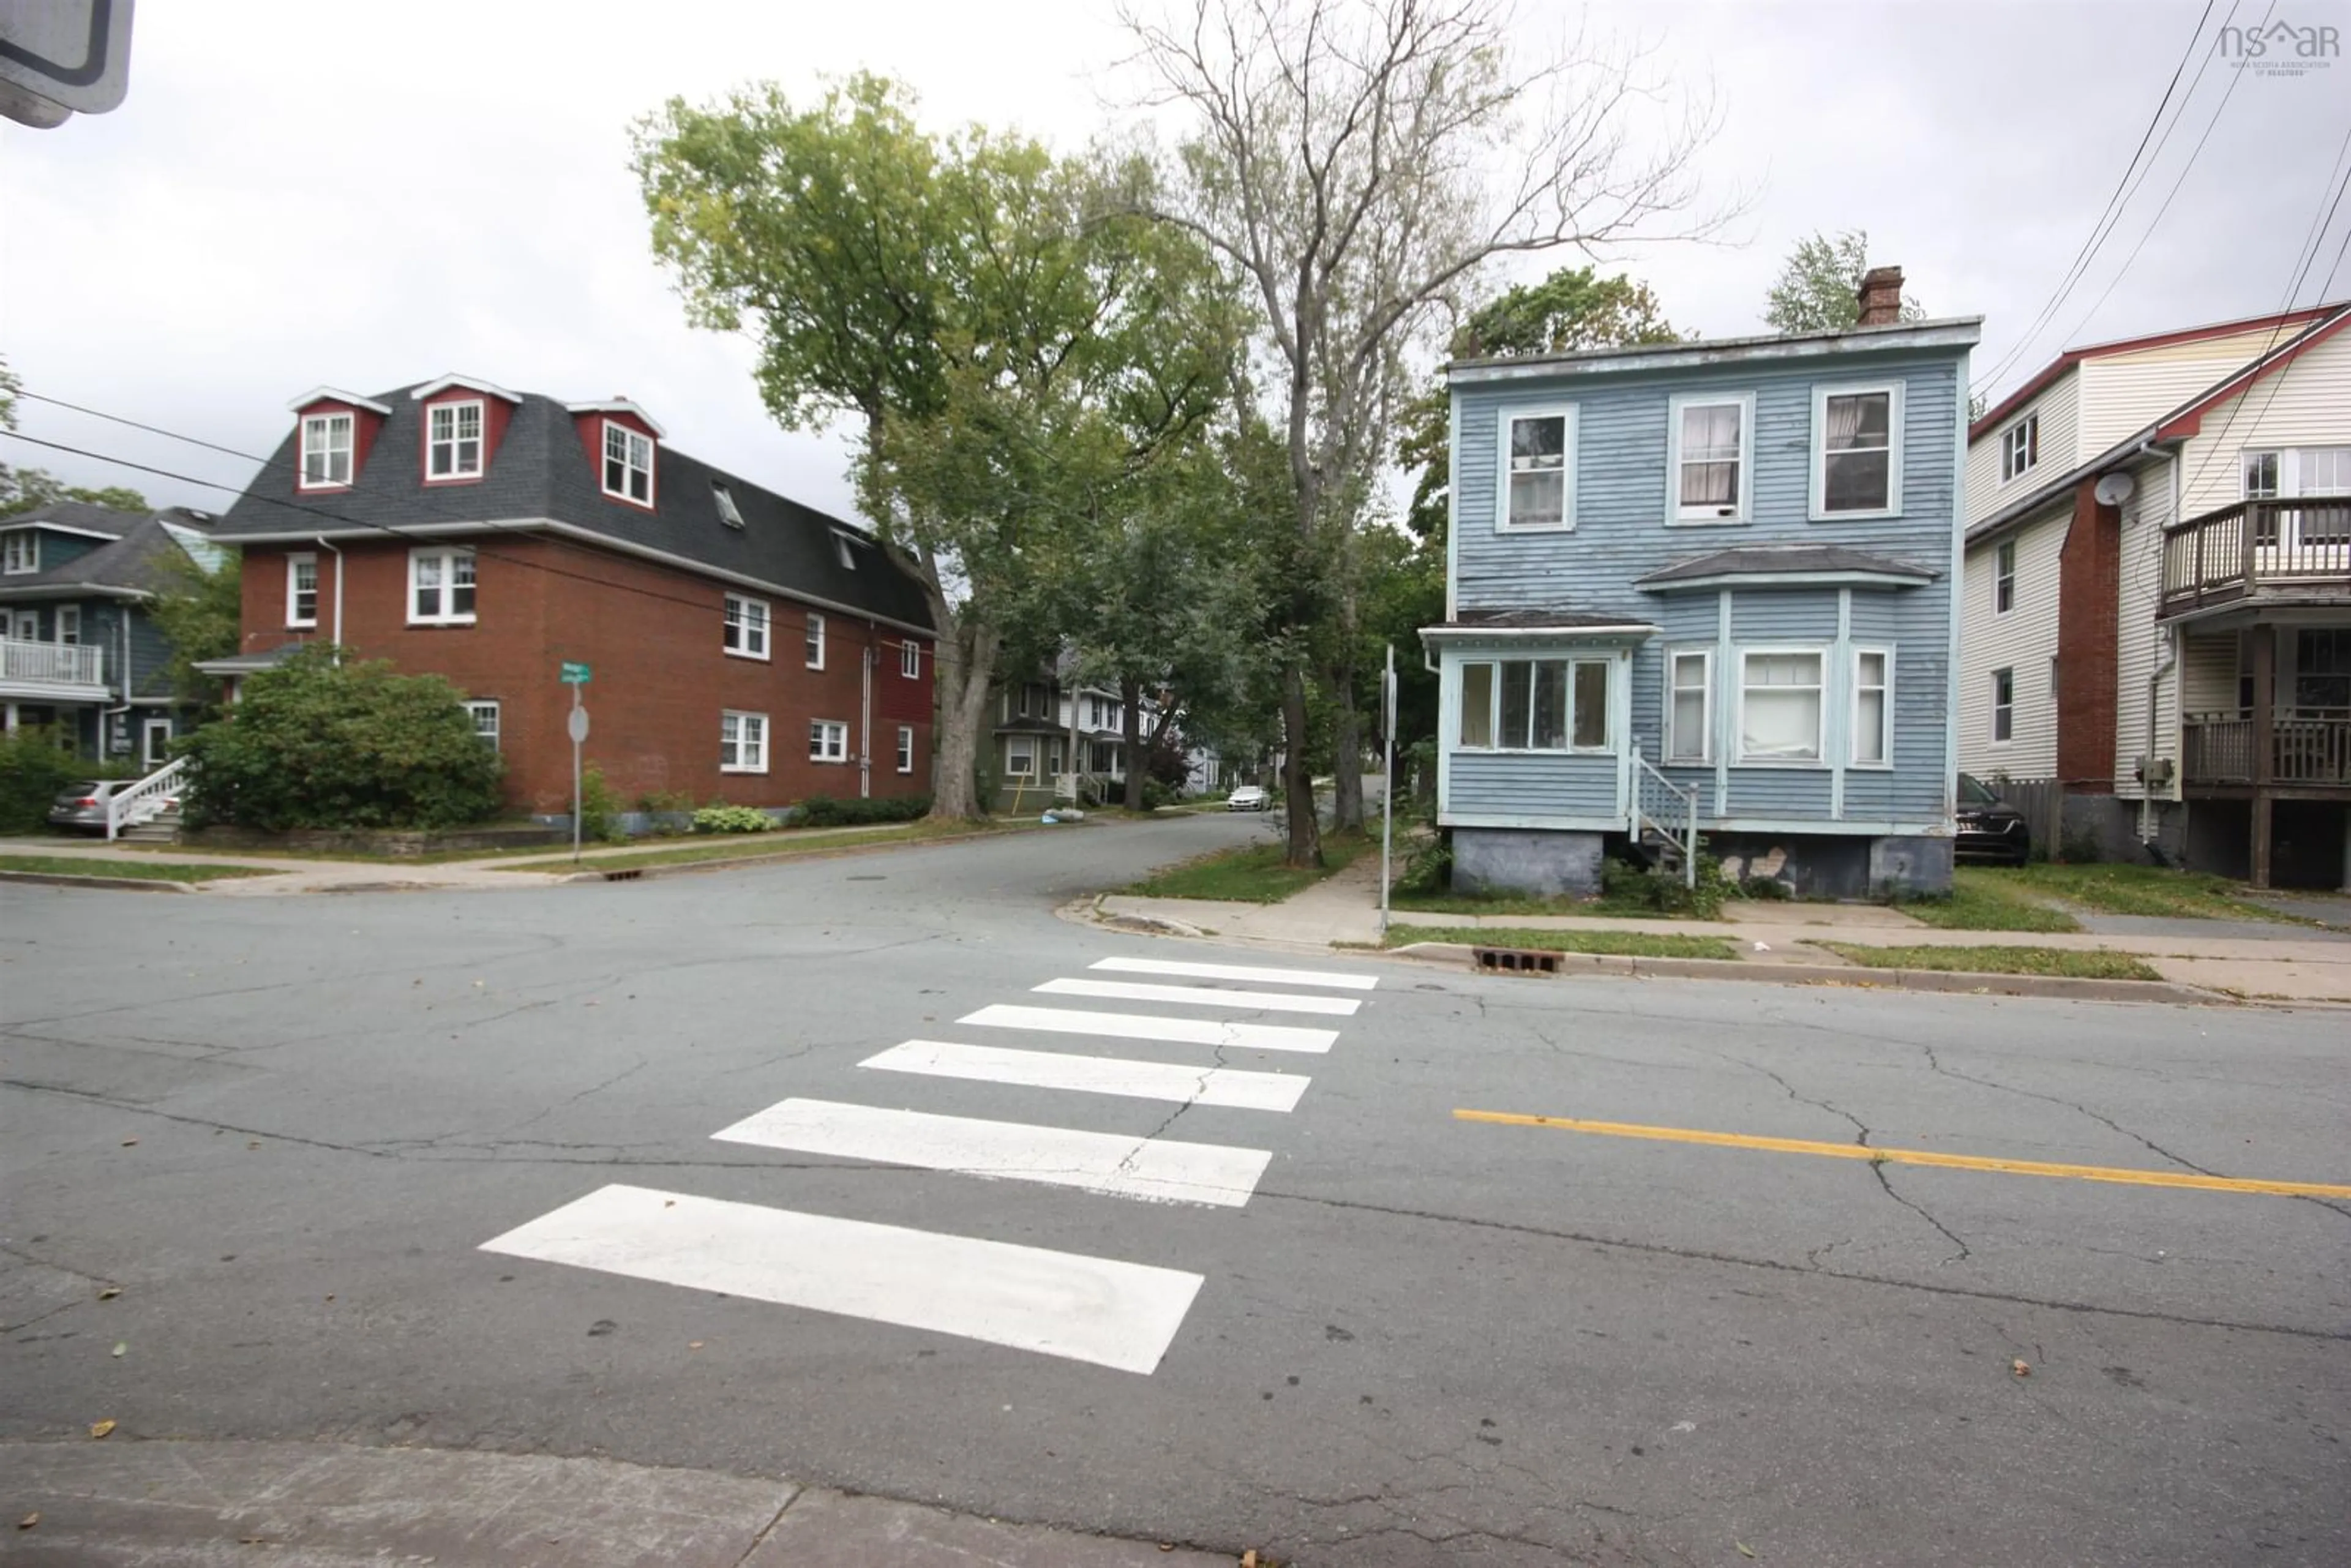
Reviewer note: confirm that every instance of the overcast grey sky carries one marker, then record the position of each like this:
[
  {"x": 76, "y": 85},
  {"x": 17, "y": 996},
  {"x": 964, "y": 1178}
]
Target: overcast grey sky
[{"x": 368, "y": 196}]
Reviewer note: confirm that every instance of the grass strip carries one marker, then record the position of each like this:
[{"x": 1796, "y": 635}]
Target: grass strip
[
  {"x": 1252, "y": 873},
  {"x": 2147, "y": 890},
  {"x": 1986, "y": 900},
  {"x": 1622, "y": 944},
  {"x": 2066, "y": 963},
  {"x": 129, "y": 871}
]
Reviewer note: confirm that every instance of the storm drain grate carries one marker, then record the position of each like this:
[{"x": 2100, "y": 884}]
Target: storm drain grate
[
  {"x": 1516, "y": 960},
  {"x": 623, "y": 875}
]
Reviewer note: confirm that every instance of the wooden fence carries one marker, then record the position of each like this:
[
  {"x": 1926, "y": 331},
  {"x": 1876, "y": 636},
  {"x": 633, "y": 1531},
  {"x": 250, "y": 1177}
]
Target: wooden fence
[{"x": 2043, "y": 801}]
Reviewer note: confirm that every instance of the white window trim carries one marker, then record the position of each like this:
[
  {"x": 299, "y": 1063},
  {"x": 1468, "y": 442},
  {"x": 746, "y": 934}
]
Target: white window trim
[
  {"x": 730, "y": 621},
  {"x": 2007, "y": 547},
  {"x": 1818, "y": 440},
  {"x": 1997, "y": 739},
  {"x": 496, "y": 735},
  {"x": 745, "y": 724},
  {"x": 21, "y": 554},
  {"x": 2291, "y": 483},
  {"x": 66, "y": 615},
  {"x": 294, "y": 564},
  {"x": 448, "y": 556},
  {"x": 1015, "y": 748},
  {"x": 1679, "y": 515},
  {"x": 149, "y": 757},
  {"x": 814, "y": 632},
  {"x": 1503, "y": 420},
  {"x": 2029, "y": 428},
  {"x": 1745, "y": 650},
  {"x": 1705, "y": 758},
  {"x": 325, "y": 421},
  {"x": 905, "y": 748},
  {"x": 1607, "y": 746},
  {"x": 653, "y": 482},
  {"x": 1853, "y": 720},
  {"x": 909, "y": 659},
  {"x": 481, "y": 440},
  {"x": 822, "y": 734}
]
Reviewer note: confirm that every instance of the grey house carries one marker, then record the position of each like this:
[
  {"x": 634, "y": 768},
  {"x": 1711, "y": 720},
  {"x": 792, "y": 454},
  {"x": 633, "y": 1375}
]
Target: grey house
[
  {"x": 1707, "y": 589},
  {"x": 77, "y": 650}
]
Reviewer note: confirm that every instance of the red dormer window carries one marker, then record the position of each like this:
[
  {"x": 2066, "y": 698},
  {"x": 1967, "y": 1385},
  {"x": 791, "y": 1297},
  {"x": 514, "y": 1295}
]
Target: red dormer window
[
  {"x": 327, "y": 442},
  {"x": 453, "y": 440},
  {"x": 628, "y": 464}
]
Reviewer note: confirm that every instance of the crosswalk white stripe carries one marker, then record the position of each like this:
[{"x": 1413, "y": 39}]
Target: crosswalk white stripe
[
  {"x": 1144, "y": 1026},
  {"x": 1096, "y": 1309},
  {"x": 1228, "y": 1086},
  {"x": 1109, "y": 1163},
  {"x": 1203, "y": 996},
  {"x": 1239, "y": 972}
]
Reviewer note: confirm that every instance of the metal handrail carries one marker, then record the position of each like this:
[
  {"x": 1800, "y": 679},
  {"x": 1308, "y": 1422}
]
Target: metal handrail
[
  {"x": 120, "y": 805},
  {"x": 1684, "y": 804}
]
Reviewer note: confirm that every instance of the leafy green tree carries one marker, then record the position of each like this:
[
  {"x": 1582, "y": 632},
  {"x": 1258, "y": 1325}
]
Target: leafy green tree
[
  {"x": 1017, "y": 357},
  {"x": 199, "y": 612},
  {"x": 318, "y": 743},
  {"x": 29, "y": 489},
  {"x": 1819, "y": 288}
]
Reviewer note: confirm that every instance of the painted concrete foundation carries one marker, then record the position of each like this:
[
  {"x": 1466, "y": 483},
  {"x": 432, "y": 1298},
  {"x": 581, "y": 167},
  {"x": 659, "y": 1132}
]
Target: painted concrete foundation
[
  {"x": 1821, "y": 867},
  {"x": 1526, "y": 860}
]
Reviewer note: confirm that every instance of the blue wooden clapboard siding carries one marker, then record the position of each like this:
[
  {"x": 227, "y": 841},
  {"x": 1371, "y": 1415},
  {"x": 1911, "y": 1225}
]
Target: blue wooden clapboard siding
[{"x": 1621, "y": 533}]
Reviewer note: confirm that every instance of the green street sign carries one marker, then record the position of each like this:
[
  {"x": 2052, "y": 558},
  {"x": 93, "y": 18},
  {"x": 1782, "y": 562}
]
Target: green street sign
[{"x": 575, "y": 674}]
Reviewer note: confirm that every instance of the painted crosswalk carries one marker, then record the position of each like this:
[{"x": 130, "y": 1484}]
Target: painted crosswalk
[
  {"x": 1109, "y": 1311},
  {"x": 1059, "y": 1304},
  {"x": 1229, "y": 1086},
  {"x": 1203, "y": 997},
  {"x": 1111, "y": 1163},
  {"x": 1144, "y": 1026}
]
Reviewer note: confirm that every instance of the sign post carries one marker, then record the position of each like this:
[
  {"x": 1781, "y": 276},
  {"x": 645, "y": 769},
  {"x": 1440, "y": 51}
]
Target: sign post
[
  {"x": 1387, "y": 782},
  {"x": 576, "y": 675}
]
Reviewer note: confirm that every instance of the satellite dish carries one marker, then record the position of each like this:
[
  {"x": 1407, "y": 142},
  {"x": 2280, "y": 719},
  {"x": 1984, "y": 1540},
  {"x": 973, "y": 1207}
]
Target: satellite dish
[{"x": 2114, "y": 489}]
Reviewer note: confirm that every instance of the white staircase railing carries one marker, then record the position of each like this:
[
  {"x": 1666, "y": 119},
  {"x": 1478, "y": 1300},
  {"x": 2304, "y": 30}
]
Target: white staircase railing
[
  {"x": 129, "y": 808},
  {"x": 1668, "y": 810}
]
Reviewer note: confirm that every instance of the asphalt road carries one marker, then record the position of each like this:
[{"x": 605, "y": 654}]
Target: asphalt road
[{"x": 285, "y": 1128}]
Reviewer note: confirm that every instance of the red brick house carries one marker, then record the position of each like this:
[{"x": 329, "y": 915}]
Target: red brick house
[{"x": 744, "y": 648}]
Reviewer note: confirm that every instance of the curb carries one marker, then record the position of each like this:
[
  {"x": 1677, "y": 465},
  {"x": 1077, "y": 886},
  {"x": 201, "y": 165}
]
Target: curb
[
  {"x": 1958, "y": 982},
  {"x": 736, "y": 863},
  {"x": 111, "y": 884}
]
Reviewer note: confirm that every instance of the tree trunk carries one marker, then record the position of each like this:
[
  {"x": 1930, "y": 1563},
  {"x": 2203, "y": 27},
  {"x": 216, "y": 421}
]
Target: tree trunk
[
  {"x": 1346, "y": 753},
  {"x": 1297, "y": 776},
  {"x": 966, "y": 666},
  {"x": 1130, "y": 724}
]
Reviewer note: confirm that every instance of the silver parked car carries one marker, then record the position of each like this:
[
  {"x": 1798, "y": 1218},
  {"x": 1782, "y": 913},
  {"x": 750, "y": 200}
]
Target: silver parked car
[
  {"x": 82, "y": 807},
  {"x": 1247, "y": 798}
]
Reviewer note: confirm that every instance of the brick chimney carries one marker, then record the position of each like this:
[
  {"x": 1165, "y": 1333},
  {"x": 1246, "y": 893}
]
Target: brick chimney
[{"x": 1881, "y": 296}]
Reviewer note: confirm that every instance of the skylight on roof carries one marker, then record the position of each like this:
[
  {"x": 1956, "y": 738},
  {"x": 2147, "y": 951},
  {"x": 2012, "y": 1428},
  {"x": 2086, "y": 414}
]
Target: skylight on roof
[
  {"x": 845, "y": 550},
  {"x": 729, "y": 512}
]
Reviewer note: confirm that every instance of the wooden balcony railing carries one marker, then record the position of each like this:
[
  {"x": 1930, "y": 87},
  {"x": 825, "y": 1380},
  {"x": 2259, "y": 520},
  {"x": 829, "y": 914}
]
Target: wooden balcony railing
[
  {"x": 51, "y": 663},
  {"x": 2308, "y": 747},
  {"x": 2255, "y": 547}
]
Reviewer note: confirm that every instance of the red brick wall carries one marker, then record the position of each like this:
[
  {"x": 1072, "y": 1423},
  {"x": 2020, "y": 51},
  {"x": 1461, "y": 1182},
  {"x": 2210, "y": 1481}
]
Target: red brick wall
[
  {"x": 662, "y": 676},
  {"x": 2089, "y": 587}
]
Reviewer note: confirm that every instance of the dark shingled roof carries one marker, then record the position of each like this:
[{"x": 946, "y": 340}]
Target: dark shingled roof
[
  {"x": 540, "y": 470},
  {"x": 132, "y": 563},
  {"x": 1772, "y": 560},
  {"x": 81, "y": 515}
]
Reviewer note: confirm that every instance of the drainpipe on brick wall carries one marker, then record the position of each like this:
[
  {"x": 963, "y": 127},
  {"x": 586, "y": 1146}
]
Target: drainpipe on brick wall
[
  {"x": 338, "y": 596},
  {"x": 865, "y": 717}
]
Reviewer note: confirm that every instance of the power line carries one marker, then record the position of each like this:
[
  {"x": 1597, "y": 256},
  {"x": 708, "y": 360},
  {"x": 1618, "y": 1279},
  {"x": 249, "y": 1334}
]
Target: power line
[
  {"x": 392, "y": 528},
  {"x": 2124, "y": 187}
]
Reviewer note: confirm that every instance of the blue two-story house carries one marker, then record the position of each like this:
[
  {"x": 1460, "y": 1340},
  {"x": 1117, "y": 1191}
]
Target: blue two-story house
[{"x": 1708, "y": 588}]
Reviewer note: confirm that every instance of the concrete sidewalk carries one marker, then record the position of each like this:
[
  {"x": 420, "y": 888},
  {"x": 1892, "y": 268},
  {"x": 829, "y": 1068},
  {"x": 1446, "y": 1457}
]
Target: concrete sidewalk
[
  {"x": 318, "y": 1505},
  {"x": 2299, "y": 963}
]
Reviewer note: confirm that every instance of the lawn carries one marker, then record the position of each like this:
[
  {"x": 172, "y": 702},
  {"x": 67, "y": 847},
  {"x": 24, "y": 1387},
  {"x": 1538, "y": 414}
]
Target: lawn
[
  {"x": 749, "y": 846},
  {"x": 1504, "y": 903},
  {"x": 1253, "y": 874},
  {"x": 2066, "y": 962},
  {"x": 2135, "y": 890},
  {"x": 130, "y": 871},
  {"x": 1986, "y": 900},
  {"x": 1624, "y": 943}
]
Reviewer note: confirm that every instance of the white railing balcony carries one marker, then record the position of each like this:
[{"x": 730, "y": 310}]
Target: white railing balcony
[{"x": 52, "y": 665}]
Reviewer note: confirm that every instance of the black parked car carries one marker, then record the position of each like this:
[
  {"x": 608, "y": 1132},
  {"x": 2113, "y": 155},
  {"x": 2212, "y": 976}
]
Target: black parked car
[{"x": 1990, "y": 828}]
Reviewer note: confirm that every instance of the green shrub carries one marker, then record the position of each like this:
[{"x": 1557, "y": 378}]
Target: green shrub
[
  {"x": 1657, "y": 888},
  {"x": 665, "y": 803},
  {"x": 1428, "y": 868},
  {"x": 732, "y": 820},
  {"x": 1156, "y": 794},
  {"x": 824, "y": 812},
  {"x": 599, "y": 809},
  {"x": 314, "y": 744},
  {"x": 34, "y": 771}
]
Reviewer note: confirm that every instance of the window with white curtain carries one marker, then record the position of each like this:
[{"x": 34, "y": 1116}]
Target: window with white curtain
[
  {"x": 1780, "y": 706},
  {"x": 1539, "y": 456},
  {"x": 1856, "y": 450},
  {"x": 1710, "y": 458},
  {"x": 1873, "y": 708},
  {"x": 1690, "y": 701}
]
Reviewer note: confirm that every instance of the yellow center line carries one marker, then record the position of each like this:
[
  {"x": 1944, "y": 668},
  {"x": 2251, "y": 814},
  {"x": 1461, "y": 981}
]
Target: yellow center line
[{"x": 1914, "y": 1157}]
